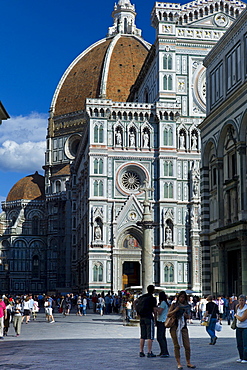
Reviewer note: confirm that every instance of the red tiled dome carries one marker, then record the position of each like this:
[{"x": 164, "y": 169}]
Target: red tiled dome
[
  {"x": 117, "y": 60},
  {"x": 31, "y": 187}
]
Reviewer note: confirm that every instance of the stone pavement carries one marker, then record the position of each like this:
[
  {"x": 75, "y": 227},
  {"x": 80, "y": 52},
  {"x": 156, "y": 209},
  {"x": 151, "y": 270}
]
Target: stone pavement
[{"x": 93, "y": 342}]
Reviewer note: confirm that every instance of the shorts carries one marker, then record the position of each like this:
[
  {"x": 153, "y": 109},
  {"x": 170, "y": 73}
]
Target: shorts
[
  {"x": 147, "y": 328},
  {"x": 48, "y": 311},
  {"x": 26, "y": 312}
]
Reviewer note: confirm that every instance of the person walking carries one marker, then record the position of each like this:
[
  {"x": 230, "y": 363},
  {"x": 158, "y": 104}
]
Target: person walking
[
  {"x": 162, "y": 311},
  {"x": 241, "y": 330},
  {"x": 79, "y": 305},
  {"x": 84, "y": 305},
  {"x": 9, "y": 316},
  {"x": 211, "y": 309},
  {"x": 26, "y": 309},
  {"x": 3, "y": 315},
  {"x": 17, "y": 320},
  {"x": 146, "y": 306},
  {"x": 180, "y": 310}
]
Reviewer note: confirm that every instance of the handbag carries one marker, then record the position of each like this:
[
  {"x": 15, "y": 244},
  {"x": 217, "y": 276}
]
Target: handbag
[
  {"x": 170, "y": 321},
  {"x": 206, "y": 320},
  {"x": 234, "y": 323}
]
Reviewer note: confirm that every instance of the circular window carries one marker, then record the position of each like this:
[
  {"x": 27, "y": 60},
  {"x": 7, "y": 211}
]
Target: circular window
[
  {"x": 130, "y": 178},
  {"x": 71, "y": 146}
]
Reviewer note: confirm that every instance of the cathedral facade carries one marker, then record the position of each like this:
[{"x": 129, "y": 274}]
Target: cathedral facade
[{"x": 127, "y": 113}]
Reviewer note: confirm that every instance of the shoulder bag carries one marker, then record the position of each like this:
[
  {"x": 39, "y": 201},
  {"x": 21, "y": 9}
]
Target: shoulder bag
[
  {"x": 170, "y": 321},
  {"x": 234, "y": 323}
]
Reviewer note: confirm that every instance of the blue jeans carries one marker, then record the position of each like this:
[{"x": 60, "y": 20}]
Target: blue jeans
[
  {"x": 211, "y": 328},
  {"x": 241, "y": 336}
]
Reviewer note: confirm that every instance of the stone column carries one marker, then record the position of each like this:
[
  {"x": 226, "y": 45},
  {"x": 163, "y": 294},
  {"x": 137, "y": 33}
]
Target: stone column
[
  {"x": 147, "y": 249},
  {"x": 221, "y": 270}
]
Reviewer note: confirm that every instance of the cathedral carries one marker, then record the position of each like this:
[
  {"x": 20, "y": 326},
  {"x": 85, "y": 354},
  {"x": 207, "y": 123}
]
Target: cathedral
[{"x": 124, "y": 113}]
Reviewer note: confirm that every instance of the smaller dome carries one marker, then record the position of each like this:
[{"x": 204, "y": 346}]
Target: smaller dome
[{"x": 31, "y": 187}]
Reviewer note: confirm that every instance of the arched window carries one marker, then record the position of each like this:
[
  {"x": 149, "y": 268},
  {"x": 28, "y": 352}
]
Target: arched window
[
  {"x": 58, "y": 186},
  {"x": 169, "y": 273},
  {"x": 98, "y": 272},
  {"x": 101, "y": 188},
  {"x": 95, "y": 166},
  {"x": 96, "y": 133},
  {"x": 101, "y": 136},
  {"x": 165, "y": 61},
  {"x": 168, "y": 190},
  {"x": 168, "y": 168},
  {"x": 168, "y": 136},
  {"x": 95, "y": 188},
  {"x": 167, "y": 83},
  {"x": 101, "y": 166},
  {"x": 35, "y": 225}
]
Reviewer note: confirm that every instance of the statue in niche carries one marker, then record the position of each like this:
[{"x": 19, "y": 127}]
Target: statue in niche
[
  {"x": 118, "y": 137},
  {"x": 194, "y": 141},
  {"x": 97, "y": 233},
  {"x": 132, "y": 139},
  {"x": 195, "y": 180},
  {"x": 168, "y": 235},
  {"x": 145, "y": 139},
  {"x": 181, "y": 141}
]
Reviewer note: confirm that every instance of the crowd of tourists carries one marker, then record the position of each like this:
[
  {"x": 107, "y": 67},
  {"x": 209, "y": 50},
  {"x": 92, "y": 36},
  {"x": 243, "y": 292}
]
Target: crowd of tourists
[{"x": 174, "y": 313}]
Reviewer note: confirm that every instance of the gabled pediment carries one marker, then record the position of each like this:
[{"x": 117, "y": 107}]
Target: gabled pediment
[{"x": 130, "y": 213}]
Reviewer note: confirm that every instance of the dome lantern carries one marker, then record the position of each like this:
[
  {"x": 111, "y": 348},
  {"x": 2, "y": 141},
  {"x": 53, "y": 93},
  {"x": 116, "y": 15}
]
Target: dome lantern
[{"x": 124, "y": 19}]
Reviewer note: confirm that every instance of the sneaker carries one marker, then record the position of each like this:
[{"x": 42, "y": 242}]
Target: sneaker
[
  {"x": 151, "y": 355},
  {"x": 1, "y": 338},
  {"x": 52, "y": 321},
  {"x": 239, "y": 360},
  {"x": 243, "y": 362},
  {"x": 142, "y": 354},
  {"x": 164, "y": 356},
  {"x": 17, "y": 335}
]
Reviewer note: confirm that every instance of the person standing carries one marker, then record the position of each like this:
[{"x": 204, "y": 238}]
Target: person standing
[
  {"x": 211, "y": 309},
  {"x": 17, "y": 320},
  {"x": 84, "y": 305},
  {"x": 162, "y": 311},
  {"x": 220, "y": 303},
  {"x": 26, "y": 309},
  {"x": 179, "y": 331},
  {"x": 146, "y": 306},
  {"x": 3, "y": 315},
  {"x": 241, "y": 330}
]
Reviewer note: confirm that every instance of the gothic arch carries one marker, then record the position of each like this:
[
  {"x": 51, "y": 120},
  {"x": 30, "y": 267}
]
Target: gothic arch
[{"x": 222, "y": 136}]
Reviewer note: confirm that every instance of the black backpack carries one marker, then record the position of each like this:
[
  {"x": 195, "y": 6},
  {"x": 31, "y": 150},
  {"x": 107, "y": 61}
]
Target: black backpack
[{"x": 142, "y": 305}]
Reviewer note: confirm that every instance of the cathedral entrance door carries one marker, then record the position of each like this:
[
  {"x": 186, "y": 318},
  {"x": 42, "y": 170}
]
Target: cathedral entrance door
[
  {"x": 234, "y": 272},
  {"x": 131, "y": 270}
]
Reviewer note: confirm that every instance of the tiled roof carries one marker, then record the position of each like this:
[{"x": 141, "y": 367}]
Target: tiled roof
[
  {"x": 84, "y": 78},
  {"x": 31, "y": 187}
]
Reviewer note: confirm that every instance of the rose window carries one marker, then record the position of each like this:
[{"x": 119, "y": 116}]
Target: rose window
[{"x": 131, "y": 180}]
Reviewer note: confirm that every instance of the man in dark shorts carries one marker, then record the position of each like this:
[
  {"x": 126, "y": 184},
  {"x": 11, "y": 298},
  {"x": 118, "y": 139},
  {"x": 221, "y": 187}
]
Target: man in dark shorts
[{"x": 147, "y": 321}]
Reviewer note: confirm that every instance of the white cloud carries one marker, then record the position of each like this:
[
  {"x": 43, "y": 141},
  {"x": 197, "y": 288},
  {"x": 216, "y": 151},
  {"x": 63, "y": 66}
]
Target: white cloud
[
  {"x": 22, "y": 143},
  {"x": 22, "y": 129}
]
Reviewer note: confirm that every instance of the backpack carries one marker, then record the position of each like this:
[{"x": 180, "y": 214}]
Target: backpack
[{"x": 142, "y": 305}]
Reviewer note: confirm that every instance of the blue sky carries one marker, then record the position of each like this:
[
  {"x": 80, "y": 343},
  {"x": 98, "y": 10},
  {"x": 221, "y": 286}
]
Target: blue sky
[{"x": 39, "y": 41}]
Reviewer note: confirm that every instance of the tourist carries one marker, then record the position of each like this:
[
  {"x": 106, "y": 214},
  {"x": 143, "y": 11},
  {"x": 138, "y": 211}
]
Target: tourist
[
  {"x": 8, "y": 318},
  {"x": 84, "y": 305},
  {"x": 3, "y": 315},
  {"x": 26, "y": 309},
  {"x": 162, "y": 311},
  {"x": 17, "y": 319},
  {"x": 179, "y": 331},
  {"x": 241, "y": 330},
  {"x": 146, "y": 306},
  {"x": 213, "y": 311},
  {"x": 79, "y": 305}
]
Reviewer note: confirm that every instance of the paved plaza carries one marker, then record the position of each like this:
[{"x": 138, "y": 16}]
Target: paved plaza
[{"x": 93, "y": 342}]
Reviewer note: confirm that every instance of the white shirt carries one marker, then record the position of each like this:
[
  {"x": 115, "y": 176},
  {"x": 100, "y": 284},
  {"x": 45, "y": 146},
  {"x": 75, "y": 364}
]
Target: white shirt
[{"x": 240, "y": 312}]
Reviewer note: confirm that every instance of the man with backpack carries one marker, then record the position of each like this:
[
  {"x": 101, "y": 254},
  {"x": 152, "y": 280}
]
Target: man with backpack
[{"x": 146, "y": 306}]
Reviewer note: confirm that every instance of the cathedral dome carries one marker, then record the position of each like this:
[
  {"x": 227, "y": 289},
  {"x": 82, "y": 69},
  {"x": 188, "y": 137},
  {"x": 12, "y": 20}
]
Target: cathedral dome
[
  {"x": 31, "y": 187},
  {"x": 107, "y": 69}
]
